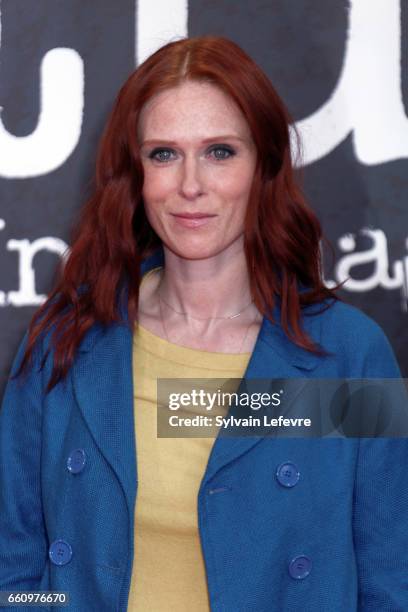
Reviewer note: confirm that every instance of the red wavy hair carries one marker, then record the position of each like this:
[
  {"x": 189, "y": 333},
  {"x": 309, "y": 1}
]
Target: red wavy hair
[{"x": 112, "y": 235}]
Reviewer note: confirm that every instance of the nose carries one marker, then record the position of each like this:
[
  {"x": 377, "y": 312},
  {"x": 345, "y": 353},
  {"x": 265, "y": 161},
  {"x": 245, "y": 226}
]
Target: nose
[{"x": 191, "y": 182}]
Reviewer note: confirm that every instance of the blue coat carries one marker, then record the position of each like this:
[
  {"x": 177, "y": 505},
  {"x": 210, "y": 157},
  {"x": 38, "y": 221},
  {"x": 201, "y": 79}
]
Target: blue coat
[{"x": 336, "y": 541}]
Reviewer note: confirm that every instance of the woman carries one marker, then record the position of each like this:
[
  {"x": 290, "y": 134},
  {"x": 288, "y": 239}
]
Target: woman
[{"x": 196, "y": 257}]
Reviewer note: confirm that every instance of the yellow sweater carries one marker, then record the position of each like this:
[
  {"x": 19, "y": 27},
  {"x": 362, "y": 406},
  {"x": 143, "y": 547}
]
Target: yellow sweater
[{"x": 168, "y": 568}]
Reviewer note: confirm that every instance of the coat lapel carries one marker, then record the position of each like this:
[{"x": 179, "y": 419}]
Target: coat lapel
[
  {"x": 274, "y": 357},
  {"x": 103, "y": 385},
  {"x": 102, "y": 378}
]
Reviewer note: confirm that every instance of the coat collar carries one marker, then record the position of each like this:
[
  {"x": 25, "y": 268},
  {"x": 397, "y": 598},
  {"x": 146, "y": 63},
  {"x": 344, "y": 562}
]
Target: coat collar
[{"x": 102, "y": 377}]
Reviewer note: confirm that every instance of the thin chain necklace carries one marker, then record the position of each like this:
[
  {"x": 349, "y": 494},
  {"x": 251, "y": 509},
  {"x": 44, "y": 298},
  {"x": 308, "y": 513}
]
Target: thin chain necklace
[{"x": 202, "y": 318}]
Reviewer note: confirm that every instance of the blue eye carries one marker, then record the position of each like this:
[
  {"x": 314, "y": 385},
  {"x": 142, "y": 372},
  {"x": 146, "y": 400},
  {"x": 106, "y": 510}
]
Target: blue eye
[
  {"x": 219, "y": 153},
  {"x": 226, "y": 152},
  {"x": 161, "y": 155}
]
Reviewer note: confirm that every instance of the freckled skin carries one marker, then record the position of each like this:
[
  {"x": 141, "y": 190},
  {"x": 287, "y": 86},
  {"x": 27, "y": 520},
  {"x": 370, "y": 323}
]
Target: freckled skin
[{"x": 190, "y": 176}]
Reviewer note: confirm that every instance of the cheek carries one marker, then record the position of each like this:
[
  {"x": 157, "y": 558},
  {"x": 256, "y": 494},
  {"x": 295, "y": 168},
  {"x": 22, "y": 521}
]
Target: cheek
[
  {"x": 156, "y": 185},
  {"x": 236, "y": 186}
]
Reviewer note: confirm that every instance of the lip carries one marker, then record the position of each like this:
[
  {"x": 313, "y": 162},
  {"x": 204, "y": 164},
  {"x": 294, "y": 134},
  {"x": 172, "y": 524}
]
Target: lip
[
  {"x": 192, "y": 220},
  {"x": 195, "y": 215}
]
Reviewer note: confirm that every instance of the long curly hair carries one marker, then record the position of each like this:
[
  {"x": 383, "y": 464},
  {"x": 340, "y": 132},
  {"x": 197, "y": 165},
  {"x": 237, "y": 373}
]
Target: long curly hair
[{"x": 112, "y": 235}]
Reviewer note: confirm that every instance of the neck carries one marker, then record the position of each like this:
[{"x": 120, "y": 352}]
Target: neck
[{"x": 206, "y": 288}]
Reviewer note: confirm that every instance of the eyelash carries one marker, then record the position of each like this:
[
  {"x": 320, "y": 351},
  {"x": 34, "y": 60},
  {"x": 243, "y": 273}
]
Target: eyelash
[{"x": 158, "y": 150}]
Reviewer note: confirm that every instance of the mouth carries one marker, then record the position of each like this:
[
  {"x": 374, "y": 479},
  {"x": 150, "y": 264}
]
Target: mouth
[
  {"x": 192, "y": 220},
  {"x": 195, "y": 215}
]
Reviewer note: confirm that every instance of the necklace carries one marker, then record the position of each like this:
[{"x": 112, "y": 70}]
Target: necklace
[{"x": 202, "y": 318}]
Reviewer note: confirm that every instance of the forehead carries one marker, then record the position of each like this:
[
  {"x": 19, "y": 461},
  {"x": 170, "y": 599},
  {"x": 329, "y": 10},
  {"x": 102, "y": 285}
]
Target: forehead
[{"x": 191, "y": 109}]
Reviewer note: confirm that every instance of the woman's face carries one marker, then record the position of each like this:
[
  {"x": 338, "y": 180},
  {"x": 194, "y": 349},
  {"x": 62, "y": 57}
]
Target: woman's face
[{"x": 198, "y": 157}]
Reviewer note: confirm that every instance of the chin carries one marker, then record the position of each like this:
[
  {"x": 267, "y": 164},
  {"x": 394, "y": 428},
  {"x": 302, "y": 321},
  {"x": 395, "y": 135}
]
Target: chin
[{"x": 193, "y": 252}]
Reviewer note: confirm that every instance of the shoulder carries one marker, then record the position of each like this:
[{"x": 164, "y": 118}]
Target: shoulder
[
  {"x": 354, "y": 338},
  {"x": 341, "y": 322}
]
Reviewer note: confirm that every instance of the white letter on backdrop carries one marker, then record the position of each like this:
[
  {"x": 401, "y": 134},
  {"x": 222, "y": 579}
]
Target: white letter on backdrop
[
  {"x": 367, "y": 99},
  {"x": 158, "y": 23},
  {"x": 59, "y": 123},
  {"x": 26, "y": 295}
]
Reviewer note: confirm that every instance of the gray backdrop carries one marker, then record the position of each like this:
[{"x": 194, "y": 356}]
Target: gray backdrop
[{"x": 340, "y": 66}]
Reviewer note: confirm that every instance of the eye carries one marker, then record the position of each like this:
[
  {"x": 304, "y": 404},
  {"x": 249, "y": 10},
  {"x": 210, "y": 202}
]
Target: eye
[
  {"x": 222, "y": 152},
  {"x": 161, "y": 155}
]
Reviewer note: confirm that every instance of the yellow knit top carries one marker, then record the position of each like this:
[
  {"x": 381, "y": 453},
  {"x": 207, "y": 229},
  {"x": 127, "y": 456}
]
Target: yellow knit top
[{"x": 168, "y": 567}]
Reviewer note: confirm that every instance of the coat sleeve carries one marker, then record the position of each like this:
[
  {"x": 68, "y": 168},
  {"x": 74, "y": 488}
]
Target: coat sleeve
[
  {"x": 380, "y": 519},
  {"x": 23, "y": 541}
]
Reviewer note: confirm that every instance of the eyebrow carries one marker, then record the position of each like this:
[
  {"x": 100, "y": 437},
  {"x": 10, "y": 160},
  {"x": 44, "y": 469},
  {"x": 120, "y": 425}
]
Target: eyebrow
[{"x": 204, "y": 141}]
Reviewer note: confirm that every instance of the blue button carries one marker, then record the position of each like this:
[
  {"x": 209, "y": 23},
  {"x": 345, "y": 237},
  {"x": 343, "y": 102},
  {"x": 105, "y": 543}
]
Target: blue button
[
  {"x": 76, "y": 461},
  {"x": 287, "y": 474},
  {"x": 60, "y": 552},
  {"x": 300, "y": 567}
]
